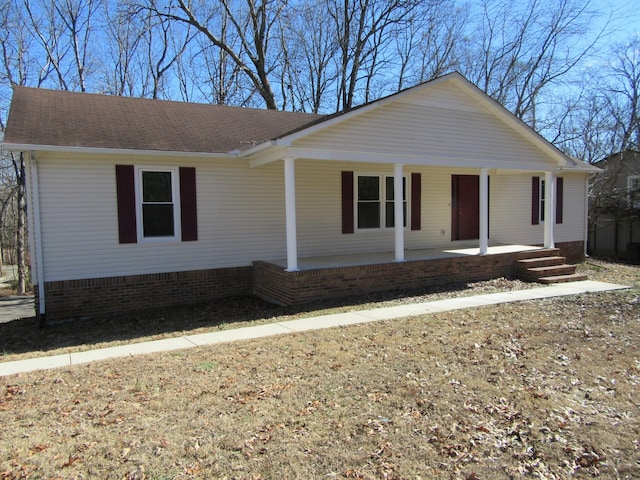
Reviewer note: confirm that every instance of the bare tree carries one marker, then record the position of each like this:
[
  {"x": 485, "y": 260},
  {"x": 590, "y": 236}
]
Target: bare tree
[
  {"x": 432, "y": 42},
  {"x": 251, "y": 22},
  {"x": 364, "y": 29},
  {"x": 624, "y": 93},
  {"x": 525, "y": 48},
  {"x": 309, "y": 48}
]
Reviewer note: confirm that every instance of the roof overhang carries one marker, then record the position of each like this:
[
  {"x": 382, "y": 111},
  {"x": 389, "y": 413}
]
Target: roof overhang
[
  {"x": 277, "y": 149},
  {"x": 111, "y": 151},
  {"x": 279, "y": 153}
]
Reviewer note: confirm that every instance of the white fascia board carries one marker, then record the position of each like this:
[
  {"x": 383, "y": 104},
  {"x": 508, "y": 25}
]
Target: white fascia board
[
  {"x": 17, "y": 147},
  {"x": 409, "y": 159},
  {"x": 273, "y": 155}
]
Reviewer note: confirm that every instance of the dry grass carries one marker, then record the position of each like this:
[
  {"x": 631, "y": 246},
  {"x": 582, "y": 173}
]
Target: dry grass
[{"x": 546, "y": 389}]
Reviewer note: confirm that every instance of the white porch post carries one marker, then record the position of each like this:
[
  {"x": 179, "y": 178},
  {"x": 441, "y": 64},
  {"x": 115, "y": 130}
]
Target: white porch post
[
  {"x": 484, "y": 211},
  {"x": 398, "y": 212},
  {"x": 290, "y": 211},
  {"x": 549, "y": 208}
]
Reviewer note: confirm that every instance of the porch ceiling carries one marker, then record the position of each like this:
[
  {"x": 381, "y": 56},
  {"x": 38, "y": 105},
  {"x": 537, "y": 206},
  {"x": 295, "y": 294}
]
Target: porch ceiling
[{"x": 356, "y": 259}]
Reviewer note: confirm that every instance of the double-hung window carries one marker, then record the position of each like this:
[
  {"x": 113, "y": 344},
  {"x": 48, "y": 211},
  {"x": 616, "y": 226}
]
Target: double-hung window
[
  {"x": 542, "y": 195},
  {"x": 375, "y": 202},
  {"x": 158, "y": 203}
]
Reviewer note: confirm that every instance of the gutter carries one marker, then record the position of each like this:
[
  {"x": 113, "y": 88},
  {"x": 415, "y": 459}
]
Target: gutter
[
  {"x": 37, "y": 236},
  {"x": 22, "y": 147}
]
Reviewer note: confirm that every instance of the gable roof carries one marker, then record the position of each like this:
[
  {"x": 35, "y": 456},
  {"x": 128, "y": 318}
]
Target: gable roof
[
  {"x": 508, "y": 120},
  {"x": 52, "y": 118},
  {"x": 58, "y": 120}
]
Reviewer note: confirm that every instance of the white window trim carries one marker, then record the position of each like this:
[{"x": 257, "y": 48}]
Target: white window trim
[
  {"x": 175, "y": 193},
  {"x": 383, "y": 200}
]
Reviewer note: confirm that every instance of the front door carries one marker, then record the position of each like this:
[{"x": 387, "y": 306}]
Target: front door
[{"x": 465, "y": 207}]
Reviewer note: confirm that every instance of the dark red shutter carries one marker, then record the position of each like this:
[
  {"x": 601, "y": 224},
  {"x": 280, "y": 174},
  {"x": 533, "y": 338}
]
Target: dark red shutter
[
  {"x": 535, "y": 200},
  {"x": 347, "y": 202},
  {"x": 188, "y": 209},
  {"x": 416, "y": 194},
  {"x": 559, "y": 198},
  {"x": 126, "y": 196}
]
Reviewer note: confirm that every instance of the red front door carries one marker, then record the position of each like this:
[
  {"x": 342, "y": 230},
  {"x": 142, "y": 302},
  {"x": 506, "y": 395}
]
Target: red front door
[{"x": 465, "y": 207}]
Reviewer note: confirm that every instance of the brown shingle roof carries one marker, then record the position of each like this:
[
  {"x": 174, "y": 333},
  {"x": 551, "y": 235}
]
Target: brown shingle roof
[{"x": 67, "y": 119}]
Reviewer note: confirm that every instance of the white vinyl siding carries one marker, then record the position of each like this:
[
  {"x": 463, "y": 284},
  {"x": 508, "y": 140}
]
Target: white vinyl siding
[
  {"x": 239, "y": 218},
  {"x": 241, "y": 215},
  {"x": 510, "y": 210},
  {"x": 433, "y": 126}
]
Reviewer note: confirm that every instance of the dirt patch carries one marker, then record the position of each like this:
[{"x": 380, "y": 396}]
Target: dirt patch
[{"x": 547, "y": 389}]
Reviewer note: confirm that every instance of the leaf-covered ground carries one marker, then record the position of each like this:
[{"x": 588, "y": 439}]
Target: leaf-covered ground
[{"x": 542, "y": 389}]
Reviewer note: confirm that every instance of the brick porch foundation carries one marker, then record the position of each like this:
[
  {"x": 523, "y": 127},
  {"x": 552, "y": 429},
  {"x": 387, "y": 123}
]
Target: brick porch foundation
[{"x": 274, "y": 284}]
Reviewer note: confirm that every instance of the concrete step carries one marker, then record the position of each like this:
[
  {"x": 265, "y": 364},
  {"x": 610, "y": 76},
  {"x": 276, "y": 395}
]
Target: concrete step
[
  {"x": 543, "y": 252},
  {"x": 575, "y": 277},
  {"x": 541, "y": 262},
  {"x": 551, "y": 270}
]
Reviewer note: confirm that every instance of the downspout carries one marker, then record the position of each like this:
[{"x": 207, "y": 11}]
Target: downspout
[
  {"x": 586, "y": 216},
  {"x": 37, "y": 236}
]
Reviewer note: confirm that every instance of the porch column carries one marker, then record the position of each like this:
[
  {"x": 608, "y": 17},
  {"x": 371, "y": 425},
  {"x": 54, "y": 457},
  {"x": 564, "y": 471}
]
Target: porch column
[
  {"x": 484, "y": 211},
  {"x": 290, "y": 211},
  {"x": 549, "y": 208},
  {"x": 398, "y": 211}
]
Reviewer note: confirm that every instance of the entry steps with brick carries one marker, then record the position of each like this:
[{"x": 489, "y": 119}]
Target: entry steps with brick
[{"x": 547, "y": 266}]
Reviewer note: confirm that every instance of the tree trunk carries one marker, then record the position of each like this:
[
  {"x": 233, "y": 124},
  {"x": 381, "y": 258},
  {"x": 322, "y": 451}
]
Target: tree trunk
[{"x": 21, "y": 230}]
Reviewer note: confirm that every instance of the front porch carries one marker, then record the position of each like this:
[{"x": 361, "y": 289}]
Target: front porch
[
  {"x": 376, "y": 258},
  {"x": 343, "y": 275}
]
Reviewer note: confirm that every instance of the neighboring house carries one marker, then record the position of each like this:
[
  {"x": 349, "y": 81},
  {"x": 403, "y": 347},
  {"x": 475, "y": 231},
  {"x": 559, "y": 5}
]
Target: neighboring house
[
  {"x": 614, "y": 207},
  {"x": 137, "y": 203}
]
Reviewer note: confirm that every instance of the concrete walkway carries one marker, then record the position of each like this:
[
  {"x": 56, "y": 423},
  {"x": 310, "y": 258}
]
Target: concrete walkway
[{"x": 305, "y": 324}]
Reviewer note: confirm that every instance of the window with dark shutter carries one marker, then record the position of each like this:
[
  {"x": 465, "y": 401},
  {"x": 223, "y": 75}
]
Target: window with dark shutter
[
  {"x": 416, "y": 194},
  {"x": 347, "y": 202},
  {"x": 559, "y": 199},
  {"x": 538, "y": 200},
  {"x": 188, "y": 207},
  {"x": 148, "y": 200},
  {"x": 126, "y": 199},
  {"x": 535, "y": 200}
]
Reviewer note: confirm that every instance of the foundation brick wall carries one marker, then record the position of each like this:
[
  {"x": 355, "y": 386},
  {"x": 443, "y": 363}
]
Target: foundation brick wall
[
  {"x": 117, "y": 295},
  {"x": 574, "y": 251},
  {"x": 274, "y": 284},
  {"x": 113, "y": 295}
]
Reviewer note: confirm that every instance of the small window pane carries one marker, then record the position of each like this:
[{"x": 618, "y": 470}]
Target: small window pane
[
  {"x": 156, "y": 187},
  {"x": 390, "y": 215},
  {"x": 368, "y": 188},
  {"x": 369, "y": 215},
  {"x": 390, "y": 188},
  {"x": 157, "y": 220}
]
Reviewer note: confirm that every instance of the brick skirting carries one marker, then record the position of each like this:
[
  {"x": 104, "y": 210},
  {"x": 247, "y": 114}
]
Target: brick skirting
[
  {"x": 272, "y": 283},
  {"x": 114, "y": 295}
]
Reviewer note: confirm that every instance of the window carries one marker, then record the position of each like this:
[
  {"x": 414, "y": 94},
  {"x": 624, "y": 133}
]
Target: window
[
  {"x": 156, "y": 203},
  {"x": 158, "y": 207},
  {"x": 538, "y": 200},
  {"x": 633, "y": 188},
  {"x": 375, "y": 206}
]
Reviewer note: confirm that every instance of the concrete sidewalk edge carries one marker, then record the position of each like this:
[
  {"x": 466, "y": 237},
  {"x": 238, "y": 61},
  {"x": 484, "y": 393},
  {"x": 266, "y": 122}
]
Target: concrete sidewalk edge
[{"x": 304, "y": 324}]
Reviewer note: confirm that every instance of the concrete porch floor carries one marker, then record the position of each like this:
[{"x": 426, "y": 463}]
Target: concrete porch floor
[{"x": 357, "y": 259}]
